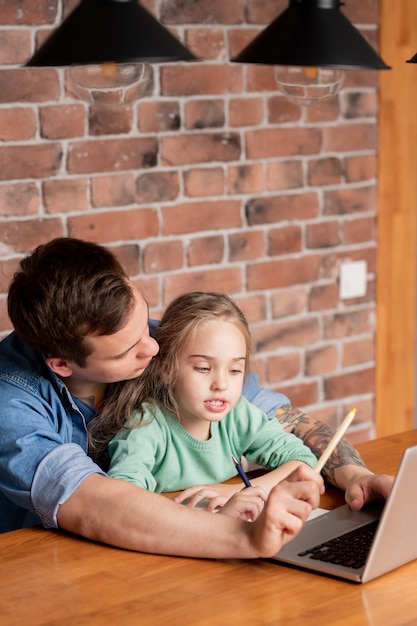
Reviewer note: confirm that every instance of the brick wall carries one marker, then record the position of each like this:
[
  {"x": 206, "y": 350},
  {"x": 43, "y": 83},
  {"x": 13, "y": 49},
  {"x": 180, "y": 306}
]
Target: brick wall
[{"x": 211, "y": 181}]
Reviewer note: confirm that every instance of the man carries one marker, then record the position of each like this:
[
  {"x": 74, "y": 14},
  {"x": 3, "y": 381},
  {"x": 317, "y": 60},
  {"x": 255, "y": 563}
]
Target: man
[{"x": 79, "y": 324}]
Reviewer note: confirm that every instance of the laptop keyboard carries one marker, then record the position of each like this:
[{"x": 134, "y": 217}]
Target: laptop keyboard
[{"x": 349, "y": 550}]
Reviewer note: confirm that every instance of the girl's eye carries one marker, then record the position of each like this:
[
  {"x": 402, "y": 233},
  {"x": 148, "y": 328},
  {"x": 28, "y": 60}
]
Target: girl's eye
[
  {"x": 237, "y": 371},
  {"x": 202, "y": 369}
]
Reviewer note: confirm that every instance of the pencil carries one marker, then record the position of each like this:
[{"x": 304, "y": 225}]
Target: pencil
[
  {"x": 241, "y": 472},
  {"x": 335, "y": 440}
]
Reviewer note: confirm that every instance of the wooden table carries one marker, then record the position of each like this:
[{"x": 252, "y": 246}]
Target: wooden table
[{"x": 50, "y": 578}]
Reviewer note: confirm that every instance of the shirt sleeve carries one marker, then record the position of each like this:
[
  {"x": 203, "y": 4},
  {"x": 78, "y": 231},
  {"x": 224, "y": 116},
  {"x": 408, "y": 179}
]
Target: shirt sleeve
[
  {"x": 57, "y": 477},
  {"x": 265, "y": 442},
  {"x": 266, "y": 400}
]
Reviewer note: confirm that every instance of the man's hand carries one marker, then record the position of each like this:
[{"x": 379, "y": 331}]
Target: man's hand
[
  {"x": 289, "y": 504},
  {"x": 363, "y": 488}
]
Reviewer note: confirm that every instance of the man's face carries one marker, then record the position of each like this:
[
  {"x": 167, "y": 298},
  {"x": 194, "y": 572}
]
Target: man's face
[{"x": 123, "y": 355}]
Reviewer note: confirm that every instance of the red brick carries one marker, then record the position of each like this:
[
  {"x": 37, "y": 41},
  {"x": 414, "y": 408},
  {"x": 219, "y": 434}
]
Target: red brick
[
  {"x": 289, "y": 302},
  {"x": 199, "y": 216},
  {"x": 223, "y": 279},
  {"x": 274, "y": 274},
  {"x": 247, "y": 178},
  {"x": 350, "y": 200},
  {"x": 191, "y": 80},
  {"x": 253, "y": 307},
  {"x": 322, "y": 235},
  {"x": 284, "y": 240},
  {"x": 62, "y": 121},
  {"x": 278, "y": 335},
  {"x": 163, "y": 256},
  {"x": 285, "y": 175},
  {"x": 28, "y": 12},
  {"x": 282, "y": 111},
  {"x": 204, "y": 182},
  {"x": 356, "y": 352},
  {"x": 273, "y": 142},
  {"x": 128, "y": 256},
  {"x": 264, "y": 12},
  {"x": 362, "y": 167},
  {"x": 246, "y": 245},
  {"x": 359, "y": 230},
  {"x": 115, "y": 190},
  {"x": 328, "y": 111},
  {"x": 159, "y": 116},
  {"x": 65, "y": 196},
  {"x": 283, "y": 367},
  {"x": 301, "y": 394},
  {"x": 17, "y": 124},
  {"x": 206, "y": 43},
  {"x": 206, "y": 251},
  {"x": 114, "y": 225},
  {"x": 200, "y": 148},
  {"x": 7, "y": 269},
  {"x": 348, "y": 324},
  {"x": 18, "y": 199},
  {"x": 204, "y": 114},
  {"x": 361, "y": 11},
  {"x": 29, "y": 85},
  {"x": 86, "y": 157},
  {"x": 157, "y": 187},
  {"x": 323, "y": 297},
  {"x": 332, "y": 260},
  {"x": 239, "y": 38},
  {"x": 348, "y": 137},
  {"x": 15, "y": 46},
  {"x": 326, "y": 171},
  {"x": 5, "y": 322},
  {"x": 25, "y": 236},
  {"x": 350, "y": 384},
  {"x": 29, "y": 161},
  {"x": 149, "y": 288},
  {"x": 271, "y": 209},
  {"x": 109, "y": 120},
  {"x": 261, "y": 78},
  {"x": 321, "y": 360},
  {"x": 207, "y": 12},
  {"x": 361, "y": 105},
  {"x": 245, "y": 111}
]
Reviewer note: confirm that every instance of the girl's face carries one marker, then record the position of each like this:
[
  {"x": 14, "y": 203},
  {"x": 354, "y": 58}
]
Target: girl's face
[{"x": 211, "y": 370}]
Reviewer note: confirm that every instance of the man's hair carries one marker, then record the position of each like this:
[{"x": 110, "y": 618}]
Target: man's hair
[
  {"x": 64, "y": 291},
  {"x": 156, "y": 385}
]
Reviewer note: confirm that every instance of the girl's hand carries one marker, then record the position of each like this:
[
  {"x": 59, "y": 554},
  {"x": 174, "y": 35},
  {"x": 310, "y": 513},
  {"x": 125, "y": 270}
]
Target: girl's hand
[
  {"x": 247, "y": 504},
  {"x": 211, "y": 497}
]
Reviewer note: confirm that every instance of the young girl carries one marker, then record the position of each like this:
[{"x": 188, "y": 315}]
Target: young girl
[{"x": 187, "y": 415}]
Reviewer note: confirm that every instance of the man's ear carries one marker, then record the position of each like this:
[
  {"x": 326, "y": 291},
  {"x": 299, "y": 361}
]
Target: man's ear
[{"x": 61, "y": 367}]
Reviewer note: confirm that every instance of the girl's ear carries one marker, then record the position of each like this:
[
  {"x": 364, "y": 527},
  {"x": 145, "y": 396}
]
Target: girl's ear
[{"x": 61, "y": 367}]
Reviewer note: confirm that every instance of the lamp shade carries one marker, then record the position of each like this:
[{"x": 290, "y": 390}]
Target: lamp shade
[
  {"x": 100, "y": 31},
  {"x": 312, "y": 33}
]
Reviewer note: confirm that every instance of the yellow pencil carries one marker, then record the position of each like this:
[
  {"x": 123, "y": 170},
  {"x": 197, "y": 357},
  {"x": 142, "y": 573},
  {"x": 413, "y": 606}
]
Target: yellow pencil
[{"x": 335, "y": 440}]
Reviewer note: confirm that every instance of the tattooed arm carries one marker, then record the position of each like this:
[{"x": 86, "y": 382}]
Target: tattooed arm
[{"x": 345, "y": 468}]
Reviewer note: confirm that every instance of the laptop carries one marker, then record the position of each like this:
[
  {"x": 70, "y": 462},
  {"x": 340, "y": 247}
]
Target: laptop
[{"x": 394, "y": 541}]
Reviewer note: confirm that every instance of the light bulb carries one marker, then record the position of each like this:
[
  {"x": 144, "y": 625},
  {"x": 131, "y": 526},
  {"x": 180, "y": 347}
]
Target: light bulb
[
  {"x": 308, "y": 86},
  {"x": 108, "y": 84}
]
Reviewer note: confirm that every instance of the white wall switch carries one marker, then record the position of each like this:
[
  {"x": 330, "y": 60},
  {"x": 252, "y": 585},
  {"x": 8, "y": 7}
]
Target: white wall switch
[{"x": 352, "y": 279}]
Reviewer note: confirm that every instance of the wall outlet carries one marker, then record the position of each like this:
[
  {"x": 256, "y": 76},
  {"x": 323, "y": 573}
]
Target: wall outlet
[{"x": 352, "y": 279}]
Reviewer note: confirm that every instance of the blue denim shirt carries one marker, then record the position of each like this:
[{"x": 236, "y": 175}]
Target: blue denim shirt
[{"x": 43, "y": 436}]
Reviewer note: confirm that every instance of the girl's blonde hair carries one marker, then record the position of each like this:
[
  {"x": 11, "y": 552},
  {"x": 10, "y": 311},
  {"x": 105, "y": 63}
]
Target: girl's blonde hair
[{"x": 157, "y": 383}]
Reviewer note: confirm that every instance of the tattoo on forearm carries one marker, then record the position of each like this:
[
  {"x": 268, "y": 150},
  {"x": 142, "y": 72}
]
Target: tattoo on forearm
[{"x": 316, "y": 435}]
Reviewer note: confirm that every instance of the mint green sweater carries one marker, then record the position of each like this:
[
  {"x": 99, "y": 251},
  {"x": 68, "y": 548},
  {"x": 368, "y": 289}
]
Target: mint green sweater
[{"x": 162, "y": 456}]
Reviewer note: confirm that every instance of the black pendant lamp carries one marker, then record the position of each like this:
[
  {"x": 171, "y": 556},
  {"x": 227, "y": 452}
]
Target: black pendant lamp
[
  {"x": 113, "y": 31},
  {"x": 312, "y": 33}
]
